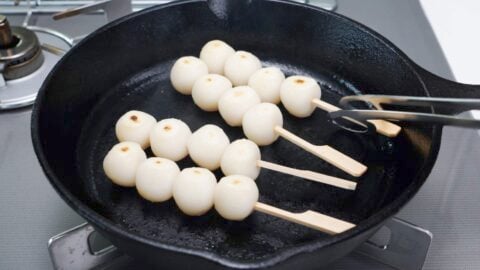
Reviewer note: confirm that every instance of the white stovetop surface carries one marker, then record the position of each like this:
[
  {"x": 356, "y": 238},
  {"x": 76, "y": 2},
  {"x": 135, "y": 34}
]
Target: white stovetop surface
[{"x": 456, "y": 26}]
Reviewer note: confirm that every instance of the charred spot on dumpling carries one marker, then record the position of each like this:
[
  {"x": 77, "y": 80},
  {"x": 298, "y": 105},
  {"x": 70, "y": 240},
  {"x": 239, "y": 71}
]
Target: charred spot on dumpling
[
  {"x": 167, "y": 128},
  {"x": 124, "y": 149},
  {"x": 236, "y": 181},
  {"x": 299, "y": 81},
  {"x": 134, "y": 118},
  {"x": 238, "y": 93}
]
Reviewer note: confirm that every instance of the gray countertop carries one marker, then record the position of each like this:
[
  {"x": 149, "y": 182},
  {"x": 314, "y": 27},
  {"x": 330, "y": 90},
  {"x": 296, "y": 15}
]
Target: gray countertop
[{"x": 31, "y": 212}]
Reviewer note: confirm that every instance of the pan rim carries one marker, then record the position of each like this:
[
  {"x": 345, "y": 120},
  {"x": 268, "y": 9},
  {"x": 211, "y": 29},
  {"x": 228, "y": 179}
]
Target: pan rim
[{"x": 109, "y": 226}]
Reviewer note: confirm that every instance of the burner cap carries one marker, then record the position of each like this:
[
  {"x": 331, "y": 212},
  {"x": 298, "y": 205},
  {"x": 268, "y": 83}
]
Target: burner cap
[{"x": 20, "y": 52}]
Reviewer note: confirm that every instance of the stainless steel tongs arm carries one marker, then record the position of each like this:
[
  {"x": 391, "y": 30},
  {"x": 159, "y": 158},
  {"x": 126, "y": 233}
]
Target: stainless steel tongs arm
[
  {"x": 408, "y": 101},
  {"x": 363, "y": 115},
  {"x": 378, "y": 100}
]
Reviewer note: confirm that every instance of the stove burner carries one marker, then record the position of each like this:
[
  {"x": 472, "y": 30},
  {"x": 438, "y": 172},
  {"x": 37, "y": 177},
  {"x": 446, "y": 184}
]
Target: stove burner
[
  {"x": 20, "y": 53},
  {"x": 27, "y": 54}
]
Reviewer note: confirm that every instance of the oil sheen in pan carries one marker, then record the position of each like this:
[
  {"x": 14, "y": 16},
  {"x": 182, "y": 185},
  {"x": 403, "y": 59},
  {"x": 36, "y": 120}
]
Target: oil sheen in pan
[{"x": 150, "y": 90}]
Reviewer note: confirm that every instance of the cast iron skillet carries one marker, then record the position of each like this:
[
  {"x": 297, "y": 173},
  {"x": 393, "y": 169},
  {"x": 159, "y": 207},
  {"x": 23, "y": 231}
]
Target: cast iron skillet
[{"x": 125, "y": 65}]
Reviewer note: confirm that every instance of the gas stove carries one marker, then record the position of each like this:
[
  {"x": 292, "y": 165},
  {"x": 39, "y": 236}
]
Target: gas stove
[
  {"x": 26, "y": 57},
  {"x": 32, "y": 213}
]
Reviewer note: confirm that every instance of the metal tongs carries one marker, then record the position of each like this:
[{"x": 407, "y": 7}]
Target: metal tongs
[{"x": 360, "y": 116}]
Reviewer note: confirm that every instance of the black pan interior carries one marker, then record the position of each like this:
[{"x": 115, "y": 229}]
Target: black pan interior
[{"x": 126, "y": 66}]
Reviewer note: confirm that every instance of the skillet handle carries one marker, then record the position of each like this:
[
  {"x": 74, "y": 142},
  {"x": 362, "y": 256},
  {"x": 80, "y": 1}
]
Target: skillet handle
[{"x": 440, "y": 87}]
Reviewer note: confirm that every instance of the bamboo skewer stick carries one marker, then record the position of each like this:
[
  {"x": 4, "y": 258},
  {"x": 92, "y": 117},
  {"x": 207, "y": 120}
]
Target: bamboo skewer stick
[
  {"x": 325, "y": 152},
  {"x": 309, "y": 175},
  {"x": 308, "y": 218},
  {"x": 383, "y": 127}
]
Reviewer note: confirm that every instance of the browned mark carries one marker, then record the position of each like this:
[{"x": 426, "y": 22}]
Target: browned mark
[
  {"x": 167, "y": 128},
  {"x": 238, "y": 93},
  {"x": 299, "y": 81}
]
